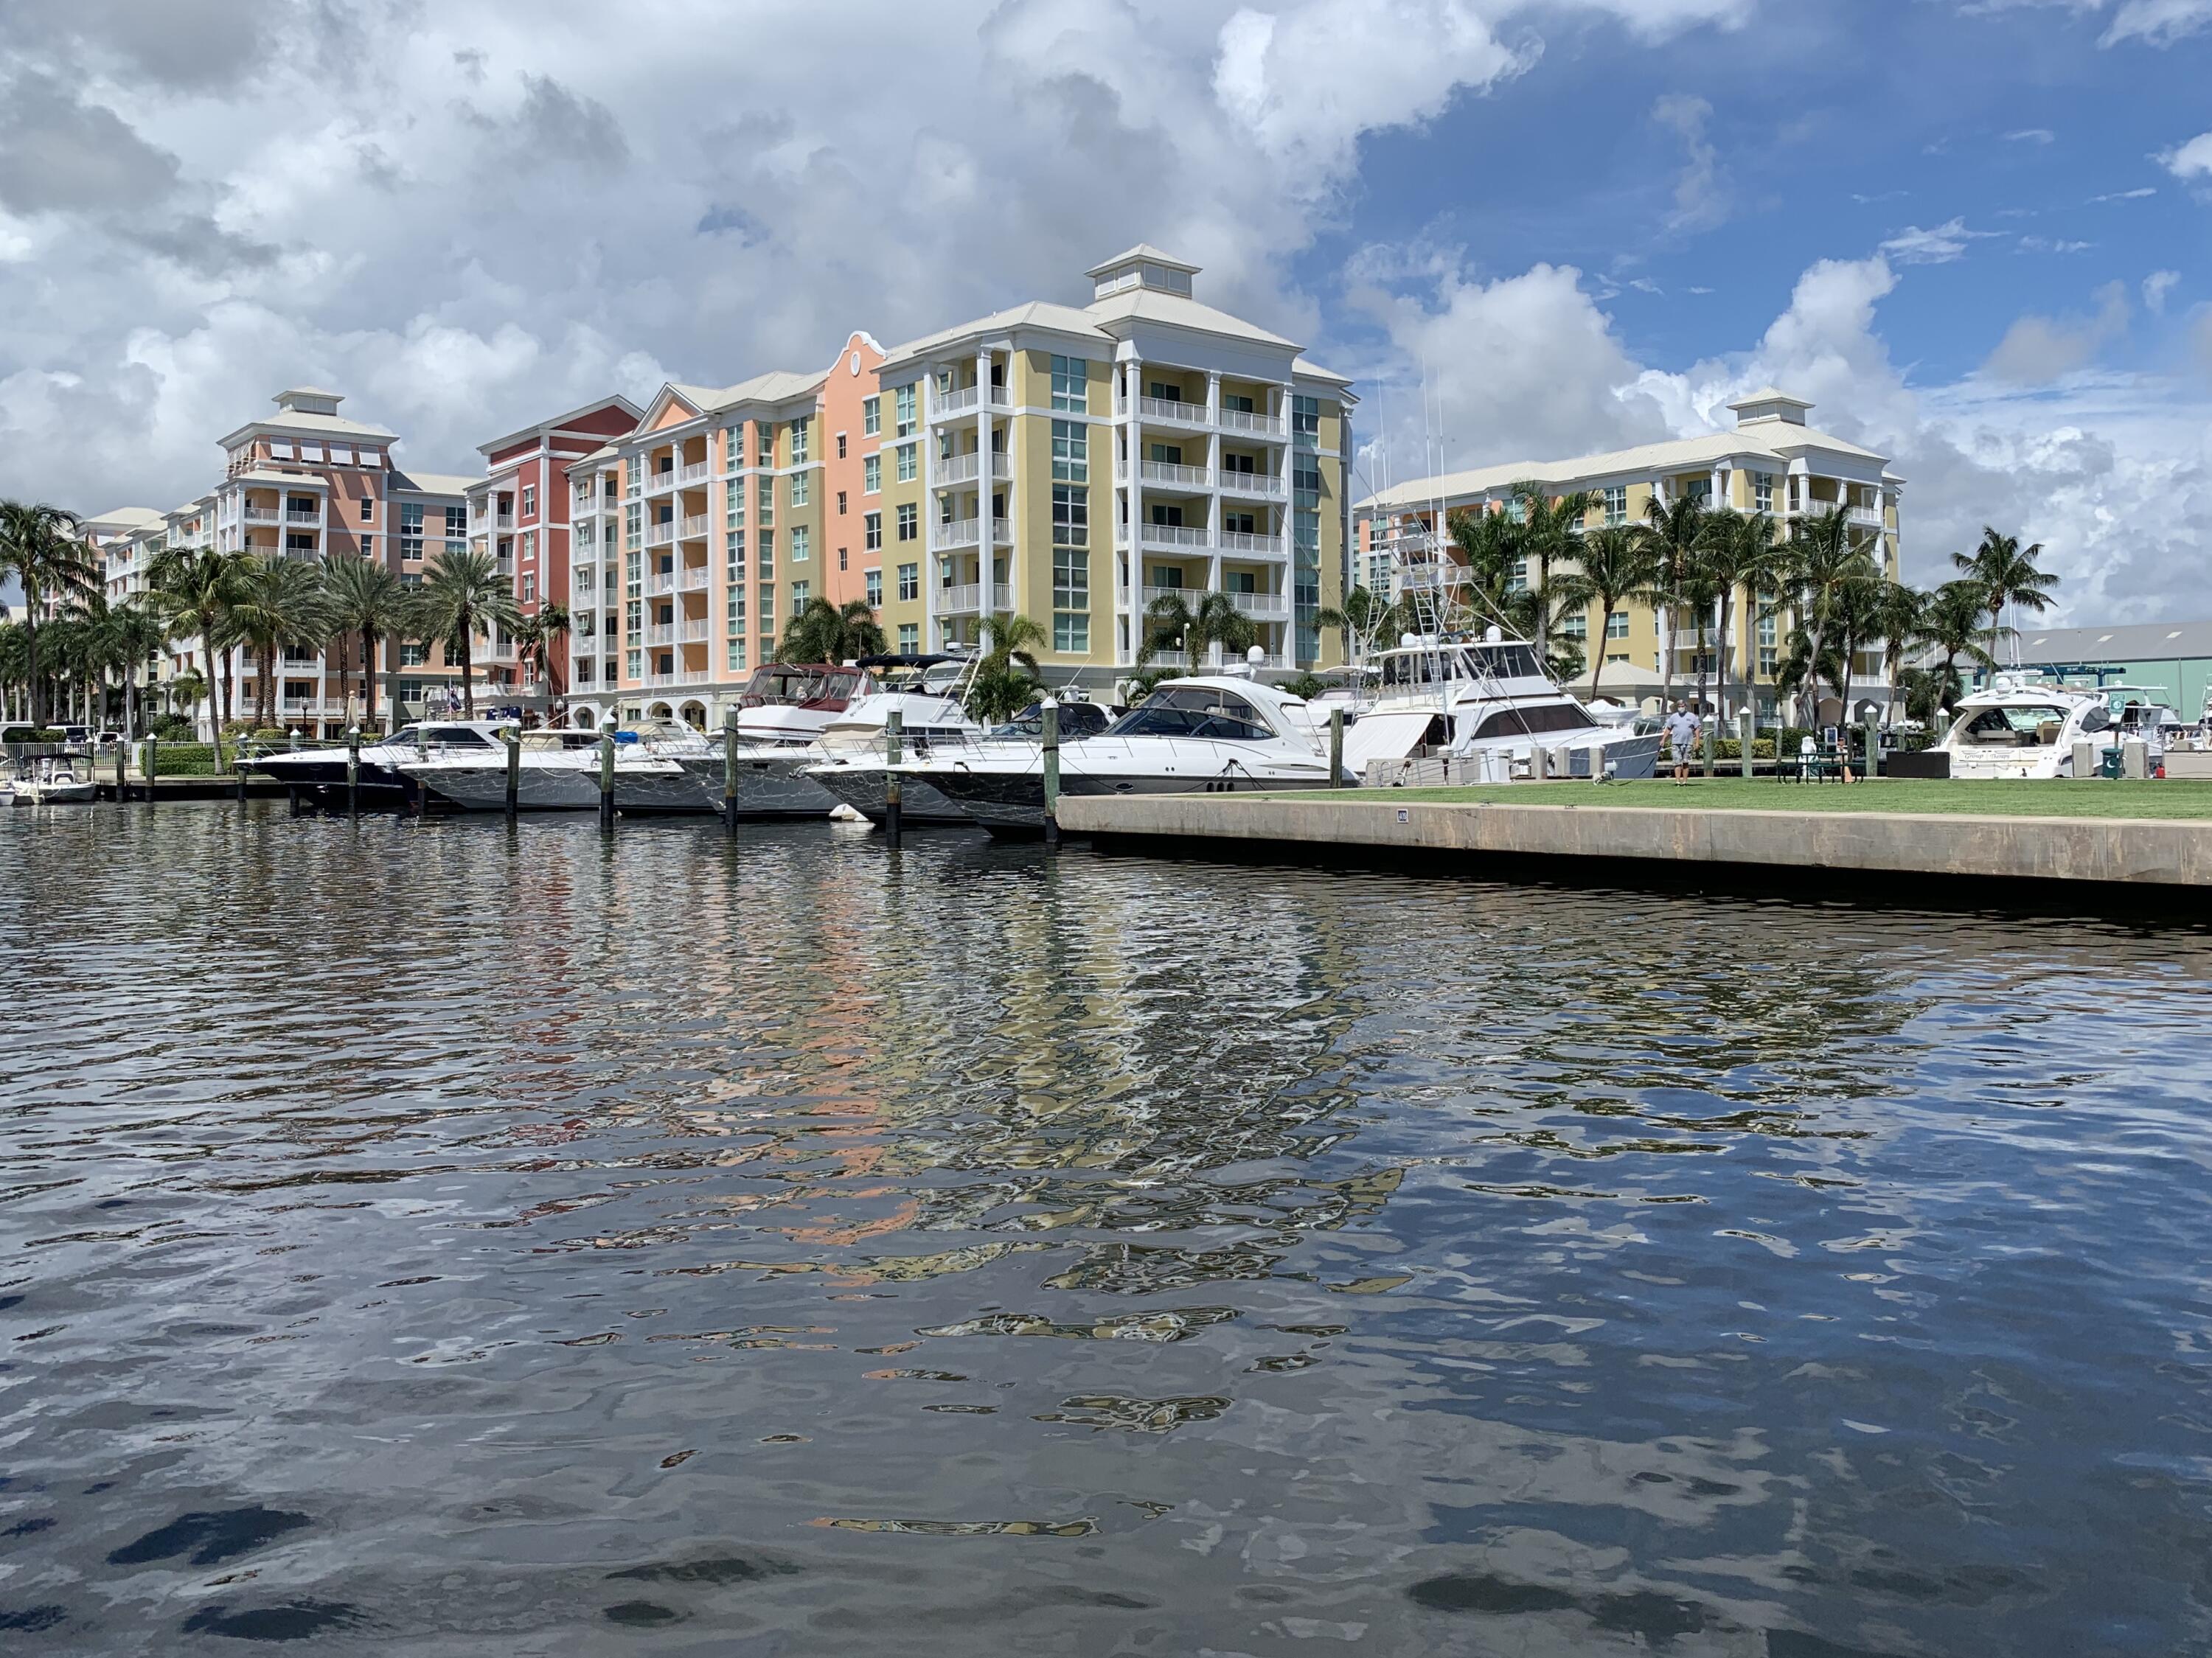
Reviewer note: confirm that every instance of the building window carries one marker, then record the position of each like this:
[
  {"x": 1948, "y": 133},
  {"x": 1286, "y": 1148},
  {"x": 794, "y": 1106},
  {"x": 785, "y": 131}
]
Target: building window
[
  {"x": 1071, "y": 515},
  {"x": 1762, "y": 492},
  {"x": 530, "y": 501},
  {"x": 1767, "y": 660},
  {"x": 841, "y": 503},
  {"x": 798, "y": 595},
  {"x": 1071, "y": 384},
  {"x": 368, "y": 509},
  {"x": 1071, "y": 451},
  {"x": 768, "y": 609},
  {"x": 905, "y": 410},
  {"x": 1305, "y": 419},
  {"x": 634, "y": 664},
  {"x": 840, "y": 446},
  {"x": 529, "y": 593},
  {"x": 1576, "y": 628},
  {"x": 871, "y": 416},
  {"x": 633, "y": 527},
  {"x": 910, "y": 518},
  {"x": 802, "y": 543},
  {"x": 802, "y": 438},
  {"x": 530, "y": 544},
  {"x": 802, "y": 488},
  {"x": 456, "y": 521},
  {"x": 764, "y": 437},
  {"x": 733, "y": 611},
  {"x": 909, "y": 581},
  {"x": 737, "y": 656},
  {"x": 1306, "y": 483},
  {"x": 909, "y": 638},
  {"x": 875, "y": 588},
  {"x": 1070, "y": 590},
  {"x": 1071, "y": 631},
  {"x": 909, "y": 463},
  {"x": 872, "y": 531},
  {"x": 871, "y": 475},
  {"x": 733, "y": 446},
  {"x": 737, "y": 555},
  {"x": 414, "y": 656},
  {"x": 1615, "y": 497},
  {"x": 1616, "y": 624},
  {"x": 767, "y": 552},
  {"x": 733, "y": 500}
]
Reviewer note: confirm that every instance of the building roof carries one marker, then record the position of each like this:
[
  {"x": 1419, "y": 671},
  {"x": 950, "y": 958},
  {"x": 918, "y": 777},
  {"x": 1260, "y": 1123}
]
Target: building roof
[
  {"x": 1145, "y": 253},
  {"x": 1769, "y": 394},
  {"x": 292, "y": 423},
  {"x": 1778, "y": 440},
  {"x": 433, "y": 484},
  {"x": 777, "y": 385},
  {"x": 561, "y": 420},
  {"x": 122, "y": 519},
  {"x": 2137, "y": 642}
]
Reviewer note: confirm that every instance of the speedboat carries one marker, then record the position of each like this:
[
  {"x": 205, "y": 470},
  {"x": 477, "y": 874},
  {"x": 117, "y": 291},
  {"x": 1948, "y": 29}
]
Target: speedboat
[
  {"x": 317, "y": 776},
  {"x": 850, "y": 764},
  {"x": 54, "y": 781},
  {"x": 1489, "y": 701},
  {"x": 2023, "y": 726},
  {"x": 555, "y": 771},
  {"x": 1212, "y": 734}
]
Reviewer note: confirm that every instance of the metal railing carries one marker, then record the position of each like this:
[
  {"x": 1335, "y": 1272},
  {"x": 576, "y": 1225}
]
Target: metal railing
[
  {"x": 960, "y": 469},
  {"x": 1262, "y": 607},
  {"x": 1251, "y": 484},
  {"x": 661, "y": 534},
  {"x": 694, "y": 473},
  {"x": 660, "y": 581},
  {"x": 694, "y": 578},
  {"x": 1175, "y": 535},
  {"x": 693, "y": 631},
  {"x": 1188, "y": 477},
  {"x": 1174, "y": 412},
  {"x": 967, "y": 597},
  {"x": 1267, "y": 426},
  {"x": 693, "y": 528},
  {"x": 1235, "y": 541}
]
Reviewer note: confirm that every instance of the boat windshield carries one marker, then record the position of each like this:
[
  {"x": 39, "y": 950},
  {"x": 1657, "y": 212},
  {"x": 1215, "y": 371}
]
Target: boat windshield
[
  {"x": 1194, "y": 711},
  {"x": 1535, "y": 722},
  {"x": 1511, "y": 660},
  {"x": 2015, "y": 725}
]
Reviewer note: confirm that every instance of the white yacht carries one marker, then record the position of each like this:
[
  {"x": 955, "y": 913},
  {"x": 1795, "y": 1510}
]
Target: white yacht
[
  {"x": 557, "y": 771},
  {"x": 1205, "y": 734},
  {"x": 54, "y": 781},
  {"x": 2023, "y": 726},
  {"x": 318, "y": 776},
  {"x": 1489, "y": 700}
]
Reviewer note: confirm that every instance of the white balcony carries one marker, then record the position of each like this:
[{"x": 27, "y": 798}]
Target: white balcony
[
  {"x": 1191, "y": 597},
  {"x": 964, "y": 600},
  {"x": 696, "y": 472},
  {"x": 660, "y": 479},
  {"x": 968, "y": 532},
  {"x": 1262, "y": 607},
  {"x": 948, "y": 403},
  {"x": 1175, "y": 535},
  {"x": 263, "y": 515},
  {"x": 1252, "y": 483},
  {"x": 693, "y": 577},
  {"x": 1173, "y": 412},
  {"x": 693, "y": 528},
  {"x": 1179, "y": 477},
  {"x": 661, "y": 632},
  {"x": 660, "y": 581},
  {"x": 1235, "y": 541},
  {"x": 308, "y": 516},
  {"x": 1169, "y": 660},
  {"x": 1266, "y": 426},
  {"x": 964, "y": 468},
  {"x": 504, "y": 521},
  {"x": 660, "y": 535}
]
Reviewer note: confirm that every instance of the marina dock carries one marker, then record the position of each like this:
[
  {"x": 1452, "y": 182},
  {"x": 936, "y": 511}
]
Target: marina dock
[{"x": 1795, "y": 846}]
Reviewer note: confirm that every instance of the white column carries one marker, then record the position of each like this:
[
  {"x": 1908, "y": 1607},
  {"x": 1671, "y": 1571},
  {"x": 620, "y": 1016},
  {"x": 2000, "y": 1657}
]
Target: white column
[
  {"x": 1132, "y": 468},
  {"x": 1014, "y": 516},
  {"x": 984, "y": 540}
]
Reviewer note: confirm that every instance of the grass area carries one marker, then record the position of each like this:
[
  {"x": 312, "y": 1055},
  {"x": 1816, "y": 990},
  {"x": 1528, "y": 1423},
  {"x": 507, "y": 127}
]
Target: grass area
[{"x": 2035, "y": 797}]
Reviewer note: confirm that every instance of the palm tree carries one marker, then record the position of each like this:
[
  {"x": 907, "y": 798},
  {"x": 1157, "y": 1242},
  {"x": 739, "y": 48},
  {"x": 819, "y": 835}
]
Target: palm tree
[
  {"x": 1671, "y": 532},
  {"x": 39, "y": 546},
  {"x": 535, "y": 639},
  {"x": 1828, "y": 563},
  {"x": 463, "y": 594},
  {"x": 1006, "y": 679},
  {"x": 367, "y": 601},
  {"x": 1900, "y": 615},
  {"x": 15, "y": 669},
  {"x": 1364, "y": 618},
  {"x": 282, "y": 607},
  {"x": 1953, "y": 623},
  {"x": 1550, "y": 531},
  {"x": 1492, "y": 545},
  {"x": 1619, "y": 564},
  {"x": 1739, "y": 552},
  {"x": 824, "y": 632},
  {"x": 1171, "y": 622},
  {"x": 138, "y": 634},
  {"x": 193, "y": 591},
  {"x": 2009, "y": 576}
]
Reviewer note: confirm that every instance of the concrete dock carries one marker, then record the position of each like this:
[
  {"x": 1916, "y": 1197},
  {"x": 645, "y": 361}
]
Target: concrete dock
[{"x": 1954, "y": 857}]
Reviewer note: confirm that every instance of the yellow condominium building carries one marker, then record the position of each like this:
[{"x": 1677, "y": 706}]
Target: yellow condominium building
[
  {"x": 1774, "y": 462},
  {"x": 1073, "y": 464}
]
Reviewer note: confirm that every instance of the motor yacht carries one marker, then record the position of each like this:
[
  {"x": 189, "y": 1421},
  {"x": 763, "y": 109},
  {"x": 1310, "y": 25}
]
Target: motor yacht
[
  {"x": 2024, "y": 727},
  {"x": 850, "y": 764},
  {"x": 317, "y": 776},
  {"x": 857, "y": 779},
  {"x": 1488, "y": 700},
  {"x": 1204, "y": 734},
  {"x": 556, "y": 771}
]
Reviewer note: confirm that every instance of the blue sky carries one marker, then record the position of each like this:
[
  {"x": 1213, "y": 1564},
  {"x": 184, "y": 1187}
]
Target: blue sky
[{"x": 1593, "y": 221}]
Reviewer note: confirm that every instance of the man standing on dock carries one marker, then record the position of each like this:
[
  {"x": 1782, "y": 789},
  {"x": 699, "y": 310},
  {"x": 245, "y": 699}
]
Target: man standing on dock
[{"x": 1681, "y": 737}]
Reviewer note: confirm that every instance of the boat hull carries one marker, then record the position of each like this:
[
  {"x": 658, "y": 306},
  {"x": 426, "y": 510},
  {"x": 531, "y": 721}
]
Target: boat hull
[
  {"x": 768, "y": 785},
  {"x": 920, "y": 802},
  {"x": 1010, "y": 803},
  {"x": 536, "y": 788}
]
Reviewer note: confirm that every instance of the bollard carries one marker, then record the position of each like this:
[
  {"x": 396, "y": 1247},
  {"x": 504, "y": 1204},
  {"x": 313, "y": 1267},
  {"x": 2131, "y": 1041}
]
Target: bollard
[
  {"x": 1336, "y": 748},
  {"x": 152, "y": 767},
  {"x": 2135, "y": 757},
  {"x": 1051, "y": 771},
  {"x": 1872, "y": 749},
  {"x": 894, "y": 752},
  {"x": 2084, "y": 758},
  {"x": 513, "y": 740},
  {"x": 606, "y": 780},
  {"x": 122, "y": 792},
  {"x": 353, "y": 772},
  {"x": 1539, "y": 764},
  {"x": 241, "y": 770},
  {"x": 729, "y": 773}
]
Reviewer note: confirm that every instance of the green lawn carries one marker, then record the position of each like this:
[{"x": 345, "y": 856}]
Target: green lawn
[{"x": 2053, "y": 798}]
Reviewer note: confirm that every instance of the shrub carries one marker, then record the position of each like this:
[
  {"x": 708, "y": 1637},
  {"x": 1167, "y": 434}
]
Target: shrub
[
  {"x": 1305, "y": 686},
  {"x": 170, "y": 728}
]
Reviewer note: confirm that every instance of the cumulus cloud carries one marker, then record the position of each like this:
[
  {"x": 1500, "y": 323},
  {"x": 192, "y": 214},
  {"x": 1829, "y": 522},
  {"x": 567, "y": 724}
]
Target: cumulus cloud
[
  {"x": 2038, "y": 349},
  {"x": 2190, "y": 160},
  {"x": 2156, "y": 288},
  {"x": 2159, "y": 22},
  {"x": 1946, "y": 242}
]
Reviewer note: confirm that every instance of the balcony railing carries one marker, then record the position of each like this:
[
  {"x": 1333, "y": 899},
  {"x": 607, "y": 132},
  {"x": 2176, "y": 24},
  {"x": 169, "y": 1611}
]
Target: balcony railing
[
  {"x": 948, "y": 403},
  {"x": 694, "y": 630},
  {"x": 263, "y": 515},
  {"x": 1184, "y": 478},
  {"x": 1235, "y": 541},
  {"x": 297, "y": 515},
  {"x": 693, "y": 577},
  {"x": 1191, "y": 597},
  {"x": 661, "y": 632},
  {"x": 1262, "y": 607},
  {"x": 660, "y": 581},
  {"x": 504, "y": 521},
  {"x": 1174, "y": 412},
  {"x": 1266, "y": 426},
  {"x": 693, "y": 528},
  {"x": 967, "y": 598},
  {"x": 961, "y": 468},
  {"x": 1175, "y": 535},
  {"x": 663, "y": 479},
  {"x": 1252, "y": 483},
  {"x": 696, "y": 472},
  {"x": 661, "y": 534},
  {"x": 967, "y": 531}
]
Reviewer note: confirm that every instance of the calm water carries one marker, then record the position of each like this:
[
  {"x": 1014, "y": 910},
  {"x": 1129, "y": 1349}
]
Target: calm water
[{"x": 428, "y": 1238}]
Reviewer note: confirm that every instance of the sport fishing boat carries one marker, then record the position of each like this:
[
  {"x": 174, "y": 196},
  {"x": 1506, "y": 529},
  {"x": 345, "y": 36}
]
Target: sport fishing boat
[
  {"x": 2023, "y": 726},
  {"x": 317, "y": 776},
  {"x": 775, "y": 777},
  {"x": 1488, "y": 700},
  {"x": 1208, "y": 733}
]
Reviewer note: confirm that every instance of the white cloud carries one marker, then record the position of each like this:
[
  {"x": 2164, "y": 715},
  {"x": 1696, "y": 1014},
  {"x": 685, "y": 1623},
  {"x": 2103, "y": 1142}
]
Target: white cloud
[
  {"x": 2156, "y": 288},
  {"x": 1946, "y": 242},
  {"x": 2031, "y": 136},
  {"x": 1700, "y": 194},
  {"x": 2039, "y": 350},
  {"x": 2159, "y": 22},
  {"x": 2190, "y": 160},
  {"x": 2134, "y": 195}
]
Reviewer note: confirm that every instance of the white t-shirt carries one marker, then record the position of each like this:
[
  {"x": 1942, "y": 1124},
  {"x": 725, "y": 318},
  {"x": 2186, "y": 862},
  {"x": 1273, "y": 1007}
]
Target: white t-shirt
[{"x": 1681, "y": 729}]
